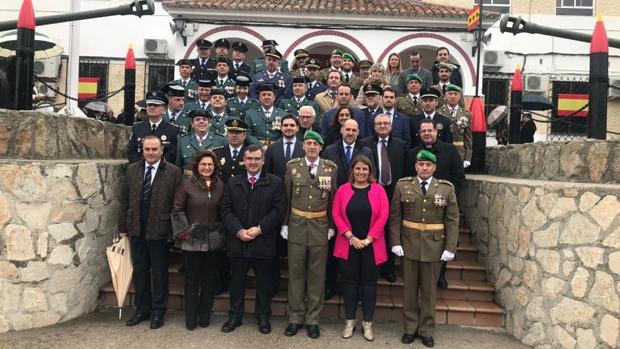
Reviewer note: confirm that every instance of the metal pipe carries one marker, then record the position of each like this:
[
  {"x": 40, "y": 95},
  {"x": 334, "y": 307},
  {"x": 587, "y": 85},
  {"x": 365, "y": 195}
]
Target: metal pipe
[
  {"x": 516, "y": 25},
  {"x": 137, "y": 7}
]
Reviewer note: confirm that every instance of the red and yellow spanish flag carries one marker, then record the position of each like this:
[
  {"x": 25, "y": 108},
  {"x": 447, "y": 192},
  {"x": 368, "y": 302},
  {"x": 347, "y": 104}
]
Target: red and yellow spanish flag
[
  {"x": 569, "y": 103},
  {"x": 87, "y": 87}
]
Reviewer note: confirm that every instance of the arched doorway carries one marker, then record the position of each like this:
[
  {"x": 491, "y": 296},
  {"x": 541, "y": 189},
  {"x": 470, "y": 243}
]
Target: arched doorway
[
  {"x": 323, "y": 52},
  {"x": 426, "y": 52}
]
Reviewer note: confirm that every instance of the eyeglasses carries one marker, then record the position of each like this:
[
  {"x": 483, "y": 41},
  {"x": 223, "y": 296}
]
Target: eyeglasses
[
  {"x": 384, "y": 123},
  {"x": 249, "y": 159}
]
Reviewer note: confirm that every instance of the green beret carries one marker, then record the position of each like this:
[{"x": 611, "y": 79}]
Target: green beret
[
  {"x": 337, "y": 52},
  {"x": 347, "y": 55},
  {"x": 453, "y": 87},
  {"x": 313, "y": 135},
  {"x": 414, "y": 76},
  {"x": 425, "y": 155}
]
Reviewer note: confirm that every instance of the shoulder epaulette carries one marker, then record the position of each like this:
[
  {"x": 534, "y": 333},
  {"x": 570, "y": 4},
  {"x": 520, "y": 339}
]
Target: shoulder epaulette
[
  {"x": 405, "y": 179},
  {"x": 216, "y": 148},
  {"x": 329, "y": 162},
  {"x": 445, "y": 182}
]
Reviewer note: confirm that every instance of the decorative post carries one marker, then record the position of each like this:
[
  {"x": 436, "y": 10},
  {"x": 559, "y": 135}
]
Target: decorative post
[
  {"x": 516, "y": 97},
  {"x": 24, "y": 65},
  {"x": 130, "y": 87},
  {"x": 599, "y": 82}
]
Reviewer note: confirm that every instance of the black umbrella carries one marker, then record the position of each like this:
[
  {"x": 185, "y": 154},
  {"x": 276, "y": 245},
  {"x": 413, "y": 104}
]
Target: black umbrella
[{"x": 536, "y": 102}]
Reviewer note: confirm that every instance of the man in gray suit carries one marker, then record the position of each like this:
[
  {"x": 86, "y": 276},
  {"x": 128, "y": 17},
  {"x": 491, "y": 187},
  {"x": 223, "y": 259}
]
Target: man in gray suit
[{"x": 416, "y": 68}]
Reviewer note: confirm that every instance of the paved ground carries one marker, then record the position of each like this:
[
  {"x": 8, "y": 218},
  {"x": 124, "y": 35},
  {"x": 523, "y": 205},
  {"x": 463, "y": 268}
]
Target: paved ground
[{"x": 104, "y": 330}]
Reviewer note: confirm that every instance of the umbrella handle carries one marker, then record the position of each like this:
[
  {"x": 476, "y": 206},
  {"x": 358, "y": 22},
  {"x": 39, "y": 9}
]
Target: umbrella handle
[{"x": 120, "y": 312}]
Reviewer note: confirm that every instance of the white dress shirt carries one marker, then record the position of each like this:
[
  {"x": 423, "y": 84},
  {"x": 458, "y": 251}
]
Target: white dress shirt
[{"x": 155, "y": 166}]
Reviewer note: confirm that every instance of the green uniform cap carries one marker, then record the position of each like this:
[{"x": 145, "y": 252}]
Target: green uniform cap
[
  {"x": 313, "y": 135},
  {"x": 414, "y": 76},
  {"x": 425, "y": 155},
  {"x": 337, "y": 52},
  {"x": 453, "y": 87},
  {"x": 347, "y": 55}
]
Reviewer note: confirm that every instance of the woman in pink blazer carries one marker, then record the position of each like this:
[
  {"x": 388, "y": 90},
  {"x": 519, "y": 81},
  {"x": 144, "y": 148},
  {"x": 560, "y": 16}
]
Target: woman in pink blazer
[{"x": 360, "y": 211}]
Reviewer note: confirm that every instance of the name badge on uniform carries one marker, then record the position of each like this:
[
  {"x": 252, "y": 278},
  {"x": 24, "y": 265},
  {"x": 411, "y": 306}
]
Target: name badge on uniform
[
  {"x": 440, "y": 200},
  {"x": 325, "y": 183},
  {"x": 222, "y": 161}
]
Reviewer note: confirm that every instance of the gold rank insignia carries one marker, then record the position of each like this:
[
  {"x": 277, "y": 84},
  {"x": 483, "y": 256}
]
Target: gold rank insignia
[
  {"x": 235, "y": 123},
  {"x": 325, "y": 183},
  {"x": 163, "y": 137},
  {"x": 440, "y": 200},
  {"x": 294, "y": 171},
  {"x": 439, "y": 126},
  {"x": 222, "y": 161}
]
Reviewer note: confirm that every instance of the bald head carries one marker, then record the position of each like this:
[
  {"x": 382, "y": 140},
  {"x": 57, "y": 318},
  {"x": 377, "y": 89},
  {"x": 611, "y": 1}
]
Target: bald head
[{"x": 349, "y": 131}]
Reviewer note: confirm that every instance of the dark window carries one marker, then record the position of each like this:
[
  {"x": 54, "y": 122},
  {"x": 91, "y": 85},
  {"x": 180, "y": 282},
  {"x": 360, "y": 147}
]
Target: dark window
[
  {"x": 160, "y": 72},
  {"x": 574, "y": 7},
  {"x": 501, "y": 6},
  {"x": 96, "y": 68},
  {"x": 496, "y": 89},
  {"x": 568, "y": 125}
]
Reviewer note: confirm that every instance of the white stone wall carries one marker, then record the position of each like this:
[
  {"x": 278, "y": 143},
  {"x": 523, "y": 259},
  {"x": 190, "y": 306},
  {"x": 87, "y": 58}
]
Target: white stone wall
[
  {"x": 552, "y": 250},
  {"x": 56, "y": 218}
]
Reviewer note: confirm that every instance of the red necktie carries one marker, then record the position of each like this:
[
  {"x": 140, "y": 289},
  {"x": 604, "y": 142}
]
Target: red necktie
[{"x": 252, "y": 181}]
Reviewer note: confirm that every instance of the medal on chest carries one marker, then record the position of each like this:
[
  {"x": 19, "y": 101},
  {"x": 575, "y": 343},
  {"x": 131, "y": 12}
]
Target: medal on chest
[{"x": 440, "y": 200}]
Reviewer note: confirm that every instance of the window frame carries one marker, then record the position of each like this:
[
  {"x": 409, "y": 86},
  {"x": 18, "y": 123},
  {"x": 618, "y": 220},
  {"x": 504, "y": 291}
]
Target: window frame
[
  {"x": 575, "y": 10},
  {"x": 491, "y": 6}
]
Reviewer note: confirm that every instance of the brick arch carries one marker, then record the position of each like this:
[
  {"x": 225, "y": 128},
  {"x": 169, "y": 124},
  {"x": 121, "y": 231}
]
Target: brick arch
[
  {"x": 192, "y": 46},
  {"x": 439, "y": 37},
  {"x": 328, "y": 32}
]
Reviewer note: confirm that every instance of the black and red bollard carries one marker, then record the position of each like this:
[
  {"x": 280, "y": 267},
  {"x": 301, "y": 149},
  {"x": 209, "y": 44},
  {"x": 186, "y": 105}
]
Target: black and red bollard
[
  {"x": 516, "y": 97},
  {"x": 479, "y": 135},
  {"x": 599, "y": 82},
  {"x": 24, "y": 60},
  {"x": 130, "y": 87}
]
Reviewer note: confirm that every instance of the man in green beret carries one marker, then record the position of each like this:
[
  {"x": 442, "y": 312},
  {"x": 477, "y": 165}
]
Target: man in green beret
[
  {"x": 409, "y": 104},
  {"x": 461, "y": 123},
  {"x": 348, "y": 77},
  {"x": 424, "y": 222},
  {"x": 310, "y": 184},
  {"x": 199, "y": 138},
  {"x": 335, "y": 61}
]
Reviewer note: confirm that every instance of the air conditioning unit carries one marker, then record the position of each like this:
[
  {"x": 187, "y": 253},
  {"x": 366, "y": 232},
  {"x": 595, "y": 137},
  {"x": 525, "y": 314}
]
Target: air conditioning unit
[
  {"x": 493, "y": 59},
  {"x": 46, "y": 90},
  {"x": 47, "y": 67},
  {"x": 536, "y": 83},
  {"x": 614, "y": 88},
  {"x": 157, "y": 47}
]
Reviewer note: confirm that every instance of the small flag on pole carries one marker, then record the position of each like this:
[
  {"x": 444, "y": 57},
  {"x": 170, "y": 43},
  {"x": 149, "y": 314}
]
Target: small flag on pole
[
  {"x": 569, "y": 103},
  {"x": 473, "y": 18},
  {"x": 87, "y": 87}
]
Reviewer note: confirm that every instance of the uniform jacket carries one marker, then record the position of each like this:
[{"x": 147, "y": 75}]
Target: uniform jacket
[
  {"x": 310, "y": 195},
  {"x": 187, "y": 146},
  {"x": 166, "y": 180},
  {"x": 258, "y": 66},
  {"x": 261, "y": 127},
  {"x": 282, "y": 80},
  {"x": 289, "y": 105},
  {"x": 405, "y": 105},
  {"x": 438, "y": 206},
  {"x": 449, "y": 163},
  {"x": 195, "y": 104},
  {"x": 228, "y": 85},
  {"x": 336, "y": 152},
  {"x": 315, "y": 89},
  {"x": 243, "y": 208},
  {"x": 244, "y": 69},
  {"x": 442, "y": 123},
  {"x": 441, "y": 101},
  {"x": 461, "y": 130},
  {"x": 164, "y": 131},
  {"x": 190, "y": 88},
  {"x": 456, "y": 77},
  {"x": 237, "y": 109},
  {"x": 325, "y": 101},
  {"x": 397, "y": 152},
  {"x": 182, "y": 121},
  {"x": 380, "y": 210},
  {"x": 274, "y": 157},
  {"x": 355, "y": 82},
  {"x": 218, "y": 123},
  {"x": 204, "y": 71},
  {"x": 425, "y": 74},
  {"x": 228, "y": 167}
]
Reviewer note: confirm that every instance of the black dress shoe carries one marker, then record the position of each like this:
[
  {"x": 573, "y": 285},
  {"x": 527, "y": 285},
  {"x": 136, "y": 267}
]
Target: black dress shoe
[
  {"x": 190, "y": 327},
  {"x": 390, "y": 277},
  {"x": 137, "y": 318},
  {"x": 203, "y": 323},
  {"x": 292, "y": 329},
  {"x": 329, "y": 293},
  {"x": 408, "y": 338},
  {"x": 157, "y": 321},
  {"x": 230, "y": 325},
  {"x": 428, "y": 341},
  {"x": 313, "y": 331},
  {"x": 264, "y": 326}
]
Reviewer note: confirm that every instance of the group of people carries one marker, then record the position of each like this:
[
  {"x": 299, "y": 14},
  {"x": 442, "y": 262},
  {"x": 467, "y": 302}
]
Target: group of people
[{"x": 339, "y": 177}]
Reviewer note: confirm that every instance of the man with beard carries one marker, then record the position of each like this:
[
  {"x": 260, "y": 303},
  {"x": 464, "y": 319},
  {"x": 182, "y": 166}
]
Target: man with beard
[
  {"x": 349, "y": 78},
  {"x": 444, "y": 73},
  {"x": 335, "y": 60},
  {"x": 301, "y": 56},
  {"x": 399, "y": 122},
  {"x": 312, "y": 72},
  {"x": 443, "y": 56}
]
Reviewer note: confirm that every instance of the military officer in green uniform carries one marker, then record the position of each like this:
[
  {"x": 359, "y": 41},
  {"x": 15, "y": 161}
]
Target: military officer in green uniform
[
  {"x": 203, "y": 95},
  {"x": 258, "y": 66},
  {"x": 186, "y": 81},
  {"x": 461, "y": 123},
  {"x": 199, "y": 138},
  {"x": 409, "y": 104},
  {"x": 175, "y": 114},
  {"x": 310, "y": 184},
  {"x": 218, "y": 111},
  {"x": 293, "y": 104},
  {"x": 238, "y": 105},
  {"x": 348, "y": 77},
  {"x": 445, "y": 74},
  {"x": 301, "y": 57},
  {"x": 223, "y": 81},
  {"x": 264, "y": 122},
  {"x": 424, "y": 228},
  {"x": 335, "y": 60}
]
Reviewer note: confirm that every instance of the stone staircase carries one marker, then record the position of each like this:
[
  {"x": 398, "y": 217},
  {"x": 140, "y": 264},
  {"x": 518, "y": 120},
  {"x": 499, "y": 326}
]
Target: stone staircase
[{"x": 468, "y": 300}]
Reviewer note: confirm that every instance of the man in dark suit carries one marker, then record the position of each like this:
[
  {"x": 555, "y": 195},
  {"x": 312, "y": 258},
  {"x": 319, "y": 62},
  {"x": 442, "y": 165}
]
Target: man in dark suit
[
  {"x": 239, "y": 66},
  {"x": 146, "y": 203},
  {"x": 426, "y": 77},
  {"x": 156, "y": 103},
  {"x": 388, "y": 153},
  {"x": 204, "y": 65},
  {"x": 308, "y": 121},
  {"x": 373, "y": 95},
  {"x": 344, "y": 98},
  {"x": 342, "y": 153},
  {"x": 429, "y": 106},
  {"x": 284, "y": 149},
  {"x": 252, "y": 209},
  {"x": 400, "y": 122}
]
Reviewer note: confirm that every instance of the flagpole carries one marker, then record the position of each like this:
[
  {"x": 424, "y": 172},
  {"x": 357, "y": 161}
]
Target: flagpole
[{"x": 479, "y": 35}]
